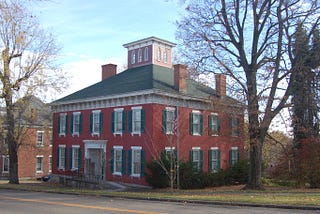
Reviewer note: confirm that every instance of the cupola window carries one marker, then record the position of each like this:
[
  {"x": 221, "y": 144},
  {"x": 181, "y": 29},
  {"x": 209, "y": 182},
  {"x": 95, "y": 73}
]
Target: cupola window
[
  {"x": 133, "y": 57},
  {"x": 159, "y": 54},
  {"x": 139, "y": 55},
  {"x": 146, "y": 54}
]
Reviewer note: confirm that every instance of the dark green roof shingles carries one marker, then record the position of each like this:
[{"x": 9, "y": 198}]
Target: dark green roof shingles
[{"x": 138, "y": 79}]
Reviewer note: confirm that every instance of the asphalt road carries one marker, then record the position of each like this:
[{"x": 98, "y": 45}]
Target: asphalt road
[{"x": 14, "y": 202}]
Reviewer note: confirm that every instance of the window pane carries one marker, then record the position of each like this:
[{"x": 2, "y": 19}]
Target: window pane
[
  {"x": 170, "y": 117},
  {"x": 40, "y": 138},
  {"x": 75, "y": 158},
  {"x": 96, "y": 122},
  {"x": 136, "y": 164},
  {"x": 118, "y": 121},
  {"x": 165, "y": 56},
  {"x": 62, "y": 157},
  {"x": 196, "y": 123},
  {"x": 133, "y": 57},
  {"x": 214, "y": 128},
  {"x": 50, "y": 164},
  {"x": 39, "y": 164},
  {"x": 196, "y": 158},
  {"x": 5, "y": 164},
  {"x": 146, "y": 54},
  {"x": 214, "y": 160},
  {"x": 76, "y": 123},
  {"x": 63, "y": 124},
  {"x": 136, "y": 120},
  {"x": 118, "y": 160},
  {"x": 235, "y": 123},
  {"x": 139, "y": 55},
  {"x": 159, "y": 54},
  {"x": 234, "y": 156}
]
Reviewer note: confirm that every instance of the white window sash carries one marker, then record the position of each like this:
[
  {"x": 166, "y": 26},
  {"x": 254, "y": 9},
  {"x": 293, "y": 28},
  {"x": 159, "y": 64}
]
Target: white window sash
[
  {"x": 118, "y": 114},
  {"x": 5, "y": 164},
  {"x": 136, "y": 120},
  {"x": 40, "y": 134},
  {"x": 62, "y": 156},
  {"x": 136, "y": 164},
  {"x": 76, "y": 123},
  {"x": 117, "y": 161},
  {"x": 39, "y": 166},
  {"x": 96, "y": 122},
  {"x": 62, "y": 125}
]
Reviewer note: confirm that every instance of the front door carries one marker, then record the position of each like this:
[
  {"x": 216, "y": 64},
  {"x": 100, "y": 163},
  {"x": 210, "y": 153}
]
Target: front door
[
  {"x": 95, "y": 159},
  {"x": 95, "y": 163}
]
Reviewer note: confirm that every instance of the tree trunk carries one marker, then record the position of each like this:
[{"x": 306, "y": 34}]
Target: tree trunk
[
  {"x": 255, "y": 133},
  {"x": 12, "y": 143},
  {"x": 254, "y": 181},
  {"x": 10, "y": 138}
]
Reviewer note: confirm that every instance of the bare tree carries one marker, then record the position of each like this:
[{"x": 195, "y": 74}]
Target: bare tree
[
  {"x": 251, "y": 41},
  {"x": 27, "y": 63}
]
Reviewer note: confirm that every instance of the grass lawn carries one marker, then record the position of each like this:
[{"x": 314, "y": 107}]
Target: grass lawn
[{"x": 231, "y": 195}]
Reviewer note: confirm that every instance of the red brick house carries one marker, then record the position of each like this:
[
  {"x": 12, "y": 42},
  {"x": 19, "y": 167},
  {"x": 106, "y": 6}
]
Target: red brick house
[
  {"x": 33, "y": 120},
  {"x": 109, "y": 130}
]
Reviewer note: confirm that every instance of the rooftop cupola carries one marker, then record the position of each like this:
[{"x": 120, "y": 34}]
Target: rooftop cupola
[{"x": 151, "y": 50}]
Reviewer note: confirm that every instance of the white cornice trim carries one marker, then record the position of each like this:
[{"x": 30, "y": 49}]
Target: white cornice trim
[
  {"x": 151, "y": 39},
  {"x": 133, "y": 98},
  {"x": 150, "y": 96}
]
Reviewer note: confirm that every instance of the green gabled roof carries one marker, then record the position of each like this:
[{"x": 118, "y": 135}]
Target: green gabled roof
[{"x": 139, "y": 79}]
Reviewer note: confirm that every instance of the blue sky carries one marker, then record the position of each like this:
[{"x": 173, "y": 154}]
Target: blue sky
[{"x": 91, "y": 33}]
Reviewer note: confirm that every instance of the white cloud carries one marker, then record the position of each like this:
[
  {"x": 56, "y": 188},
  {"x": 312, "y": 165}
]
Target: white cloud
[{"x": 85, "y": 72}]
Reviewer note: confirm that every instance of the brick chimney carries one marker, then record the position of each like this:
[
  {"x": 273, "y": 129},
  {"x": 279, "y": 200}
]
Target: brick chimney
[
  {"x": 221, "y": 84},
  {"x": 180, "y": 77},
  {"x": 108, "y": 71}
]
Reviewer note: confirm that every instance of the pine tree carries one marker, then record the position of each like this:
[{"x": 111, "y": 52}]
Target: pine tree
[
  {"x": 315, "y": 63},
  {"x": 306, "y": 60}
]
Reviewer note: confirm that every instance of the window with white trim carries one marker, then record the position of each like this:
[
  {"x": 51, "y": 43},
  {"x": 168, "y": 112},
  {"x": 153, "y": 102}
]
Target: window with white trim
[
  {"x": 39, "y": 165},
  {"x": 196, "y": 123},
  {"x": 235, "y": 126},
  {"x": 196, "y": 158},
  {"x": 5, "y": 163},
  {"x": 234, "y": 155},
  {"x": 62, "y": 124},
  {"x": 50, "y": 163},
  {"x": 50, "y": 138},
  {"x": 75, "y": 157},
  {"x": 214, "y": 159},
  {"x": 62, "y": 156},
  {"x": 171, "y": 153},
  {"x": 117, "y": 160},
  {"x": 96, "y": 122},
  {"x": 76, "y": 123},
  {"x": 118, "y": 121},
  {"x": 136, "y": 120},
  {"x": 169, "y": 120},
  {"x": 40, "y": 138},
  {"x": 213, "y": 124},
  {"x": 136, "y": 157}
]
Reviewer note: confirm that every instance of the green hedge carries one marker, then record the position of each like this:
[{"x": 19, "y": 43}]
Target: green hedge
[{"x": 191, "y": 178}]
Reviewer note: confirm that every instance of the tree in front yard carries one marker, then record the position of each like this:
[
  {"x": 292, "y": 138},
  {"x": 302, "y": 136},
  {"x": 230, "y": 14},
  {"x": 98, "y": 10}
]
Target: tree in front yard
[
  {"x": 27, "y": 63},
  {"x": 250, "y": 41}
]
